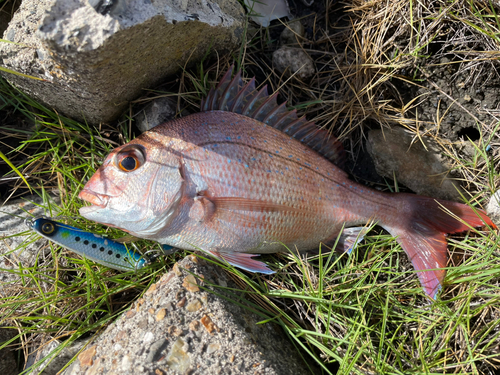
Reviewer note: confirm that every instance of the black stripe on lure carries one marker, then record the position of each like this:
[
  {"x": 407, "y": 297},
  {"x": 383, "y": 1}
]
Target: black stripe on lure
[{"x": 101, "y": 250}]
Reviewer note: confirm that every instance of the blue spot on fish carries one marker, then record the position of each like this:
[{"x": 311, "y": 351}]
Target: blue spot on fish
[
  {"x": 246, "y": 165},
  {"x": 228, "y": 138},
  {"x": 229, "y": 160}
]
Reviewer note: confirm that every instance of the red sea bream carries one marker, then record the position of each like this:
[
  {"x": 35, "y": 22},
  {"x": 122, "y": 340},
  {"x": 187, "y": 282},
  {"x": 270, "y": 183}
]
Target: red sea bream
[{"x": 245, "y": 176}]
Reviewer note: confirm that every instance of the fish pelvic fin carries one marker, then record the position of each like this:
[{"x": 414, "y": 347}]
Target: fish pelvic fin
[
  {"x": 422, "y": 234},
  {"x": 233, "y": 95},
  {"x": 243, "y": 261}
]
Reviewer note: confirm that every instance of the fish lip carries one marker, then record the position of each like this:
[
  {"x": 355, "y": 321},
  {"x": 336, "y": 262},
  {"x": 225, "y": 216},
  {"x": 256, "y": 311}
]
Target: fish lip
[{"x": 96, "y": 199}]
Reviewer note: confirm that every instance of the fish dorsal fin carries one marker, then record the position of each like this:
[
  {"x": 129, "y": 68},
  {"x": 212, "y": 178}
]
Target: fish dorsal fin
[{"x": 233, "y": 95}]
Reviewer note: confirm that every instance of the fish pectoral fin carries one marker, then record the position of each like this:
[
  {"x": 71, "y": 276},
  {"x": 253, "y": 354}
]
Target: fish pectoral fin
[
  {"x": 247, "y": 204},
  {"x": 202, "y": 209},
  {"x": 350, "y": 238},
  {"x": 243, "y": 261}
]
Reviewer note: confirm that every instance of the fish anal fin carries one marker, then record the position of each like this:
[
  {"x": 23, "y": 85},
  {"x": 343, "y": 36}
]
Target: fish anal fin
[
  {"x": 349, "y": 239},
  {"x": 232, "y": 95},
  {"x": 243, "y": 261}
]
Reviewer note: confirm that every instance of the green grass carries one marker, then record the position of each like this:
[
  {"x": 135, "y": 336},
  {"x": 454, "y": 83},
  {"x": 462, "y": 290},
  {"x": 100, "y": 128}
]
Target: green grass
[{"x": 367, "y": 311}]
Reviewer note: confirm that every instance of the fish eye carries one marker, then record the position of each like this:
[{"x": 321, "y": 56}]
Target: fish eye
[
  {"x": 129, "y": 163},
  {"x": 47, "y": 228},
  {"x": 130, "y": 159}
]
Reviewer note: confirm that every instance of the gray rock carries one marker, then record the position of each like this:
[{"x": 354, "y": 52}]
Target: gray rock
[
  {"x": 292, "y": 33},
  {"x": 157, "y": 112},
  {"x": 179, "y": 327},
  {"x": 493, "y": 208},
  {"x": 14, "y": 249},
  {"x": 94, "y": 64},
  {"x": 422, "y": 170},
  {"x": 54, "y": 358},
  {"x": 293, "y": 61}
]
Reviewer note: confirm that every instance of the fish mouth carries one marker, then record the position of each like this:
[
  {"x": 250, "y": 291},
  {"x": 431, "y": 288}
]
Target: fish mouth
[{"x": 96, "y": 199}]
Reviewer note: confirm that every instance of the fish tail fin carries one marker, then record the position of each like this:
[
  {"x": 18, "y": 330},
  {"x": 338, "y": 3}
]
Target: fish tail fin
[{"x": 422, "y": 234}]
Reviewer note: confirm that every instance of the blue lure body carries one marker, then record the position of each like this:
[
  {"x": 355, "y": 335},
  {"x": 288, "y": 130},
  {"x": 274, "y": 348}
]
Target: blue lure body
[{"x": 101, "y": 250}]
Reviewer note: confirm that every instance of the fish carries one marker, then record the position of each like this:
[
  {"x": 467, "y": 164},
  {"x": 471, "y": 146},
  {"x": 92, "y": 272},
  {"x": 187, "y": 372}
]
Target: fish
[
  {"x": 246, "y": 176},
  {"x": 92, "y": 246}
]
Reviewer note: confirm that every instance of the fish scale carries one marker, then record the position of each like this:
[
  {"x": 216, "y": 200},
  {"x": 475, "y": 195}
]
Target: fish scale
[{"x": 246, "y": 176}]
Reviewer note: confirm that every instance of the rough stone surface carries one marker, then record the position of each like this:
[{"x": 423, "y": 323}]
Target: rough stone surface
[
  {"x": 180, "y": 328},
  {"x": 94, "y": 64},
  {"x": 157, "y": 112},
  {"x": 13, "y": 249},
  {"x": 420, "y": 168},
  {"x": 293, "y": 61},
  {"x": 493, "y": 208},
  {"x": 292, "y": 32},
  {"x": 51, "y": 366}
]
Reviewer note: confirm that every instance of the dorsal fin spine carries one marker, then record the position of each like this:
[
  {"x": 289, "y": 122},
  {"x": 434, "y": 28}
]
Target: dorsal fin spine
[
  {"x": 233, "y": 92},
  {"x": 274, "y": 112},
  {"x": 281, "y": 123},
  {"x": 240, "y": 97},
  {"x": 248, "y": 108},
  {"x": 289, "y": 127},
  {"x": 261, "y": 112},
  {"x": 234, "y": 96}
]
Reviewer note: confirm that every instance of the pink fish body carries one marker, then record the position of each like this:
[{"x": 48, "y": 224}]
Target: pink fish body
[{"x": 231, "y": 181}]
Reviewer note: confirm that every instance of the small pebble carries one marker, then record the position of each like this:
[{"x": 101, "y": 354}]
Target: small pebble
[
  {"x": 126, "y": 363},
  {"x": 86, "y": 357},
  {"x": 193, "y": 305},
  {"x": 190, "y": 284},
  {"x": 151, "y": 290},
  {"x": 182, "y": 302},
  {"x": 174, "y": 331},
  {"x": 194, "y": 325},
  {"x": 161, "y": 315},
  {"x": 213, "y": 348},
  {"x": 177, "y": 270},
  {"x": 493, "y": 208},
  {"x": 148, "y": 337},
  {"x": 208, "y": 324}
]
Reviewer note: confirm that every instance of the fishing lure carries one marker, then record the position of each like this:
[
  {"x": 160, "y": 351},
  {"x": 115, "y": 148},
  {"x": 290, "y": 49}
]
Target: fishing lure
[{"x": 101, "y": 250}]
